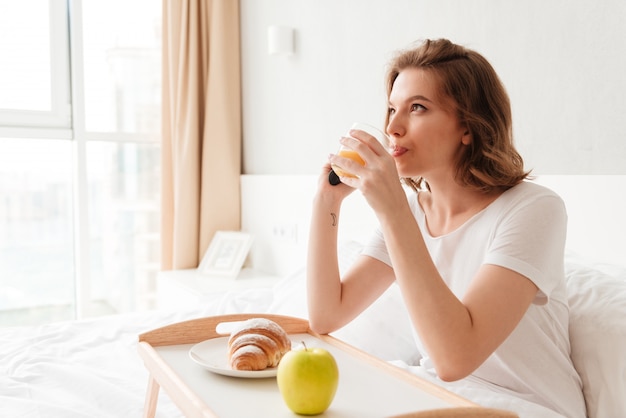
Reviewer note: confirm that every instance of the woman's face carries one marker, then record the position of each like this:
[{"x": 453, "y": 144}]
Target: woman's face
[{"x": 425, "y": 131}]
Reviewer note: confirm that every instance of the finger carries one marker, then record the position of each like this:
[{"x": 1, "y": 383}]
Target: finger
[
  {"x": 347, "y": 164},
  {"x": 361, "y": 141},
  {"x": 352, "y": 182},
  {"x": 362, "y": 135}
]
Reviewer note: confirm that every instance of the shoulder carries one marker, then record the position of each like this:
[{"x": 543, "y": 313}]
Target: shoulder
[
  {"x": 529, "y": 203},
  {"x": 528, "y": 193},
  {"x": 529, "y": 188}
]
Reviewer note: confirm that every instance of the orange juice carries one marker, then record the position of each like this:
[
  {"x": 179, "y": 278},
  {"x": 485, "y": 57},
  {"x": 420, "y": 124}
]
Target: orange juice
[
  {"x": 353, "y": 155},
  {"x": 347, "y": 153}
]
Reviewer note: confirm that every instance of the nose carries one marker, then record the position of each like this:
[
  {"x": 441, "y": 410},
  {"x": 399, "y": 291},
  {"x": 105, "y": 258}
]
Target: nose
[{"x": 395, "y": 126}]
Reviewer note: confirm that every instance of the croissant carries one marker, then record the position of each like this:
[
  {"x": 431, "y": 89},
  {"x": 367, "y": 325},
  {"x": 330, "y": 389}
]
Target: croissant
[{"x": 257, "y": 344}]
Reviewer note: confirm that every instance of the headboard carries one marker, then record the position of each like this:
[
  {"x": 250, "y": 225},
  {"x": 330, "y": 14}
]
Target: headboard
[{"x": 276, "y": 210}]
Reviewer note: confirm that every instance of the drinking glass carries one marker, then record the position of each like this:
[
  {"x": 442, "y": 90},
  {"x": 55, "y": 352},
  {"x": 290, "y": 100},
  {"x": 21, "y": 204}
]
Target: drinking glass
[{"x": 352, "y": 154}]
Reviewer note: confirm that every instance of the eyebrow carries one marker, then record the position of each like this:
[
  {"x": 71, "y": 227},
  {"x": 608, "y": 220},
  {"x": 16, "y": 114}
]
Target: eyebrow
[{"x": 414, "y": 98}]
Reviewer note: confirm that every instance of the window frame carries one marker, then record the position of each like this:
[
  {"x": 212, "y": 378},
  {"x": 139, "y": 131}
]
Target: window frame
[
  {"x": 80, "y": 138},
  {"x": 59, "y": 115},
  {"x": 67, "y": 121}
]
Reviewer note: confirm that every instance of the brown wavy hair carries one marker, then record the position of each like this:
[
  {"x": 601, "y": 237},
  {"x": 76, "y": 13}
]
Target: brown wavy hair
[{"x": 490, "y": 162}]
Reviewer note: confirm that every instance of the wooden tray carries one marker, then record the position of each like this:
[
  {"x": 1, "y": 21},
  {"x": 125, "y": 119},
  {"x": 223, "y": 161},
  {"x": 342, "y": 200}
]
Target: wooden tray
[{"x": 367, "y": 386}]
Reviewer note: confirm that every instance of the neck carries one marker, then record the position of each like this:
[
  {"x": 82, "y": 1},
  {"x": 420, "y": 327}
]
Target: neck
[{"x": 448, "y": 205}]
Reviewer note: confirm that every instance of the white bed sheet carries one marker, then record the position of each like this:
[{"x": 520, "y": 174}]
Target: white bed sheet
[
  {"x": 90, "y": 368},
  {"x": 77, "y": 369}
]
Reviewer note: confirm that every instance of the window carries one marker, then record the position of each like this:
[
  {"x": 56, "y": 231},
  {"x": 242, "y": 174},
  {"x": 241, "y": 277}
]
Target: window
[
  {"x": 34, "y": 65},
  {"x": 79, "y": 171}
]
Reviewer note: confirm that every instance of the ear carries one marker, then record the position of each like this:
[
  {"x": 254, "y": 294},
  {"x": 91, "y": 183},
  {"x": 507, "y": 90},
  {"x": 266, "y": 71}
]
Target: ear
[{"x": 466, "y": 139}]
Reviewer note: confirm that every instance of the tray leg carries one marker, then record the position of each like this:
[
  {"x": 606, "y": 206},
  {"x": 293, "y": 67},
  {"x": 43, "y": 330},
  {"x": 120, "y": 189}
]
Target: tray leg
[{"x": 152, "y": 395}]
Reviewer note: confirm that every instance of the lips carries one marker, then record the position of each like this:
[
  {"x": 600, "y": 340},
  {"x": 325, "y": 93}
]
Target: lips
[{"x": 397, "y": 151}]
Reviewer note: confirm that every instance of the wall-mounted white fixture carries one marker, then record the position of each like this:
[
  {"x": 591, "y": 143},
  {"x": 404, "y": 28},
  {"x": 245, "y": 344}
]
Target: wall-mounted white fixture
[{"x": 280, "y": 40}]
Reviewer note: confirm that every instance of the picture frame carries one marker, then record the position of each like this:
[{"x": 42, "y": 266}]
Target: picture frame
[{"x": 226, "y": 254}]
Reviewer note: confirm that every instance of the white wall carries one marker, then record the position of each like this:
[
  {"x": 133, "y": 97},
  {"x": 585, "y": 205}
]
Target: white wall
[{"x": 563, "y": 62}]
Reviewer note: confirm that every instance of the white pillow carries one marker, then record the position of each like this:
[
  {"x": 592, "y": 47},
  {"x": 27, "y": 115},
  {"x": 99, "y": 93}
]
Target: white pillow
[{"x": 598, "y": 334}]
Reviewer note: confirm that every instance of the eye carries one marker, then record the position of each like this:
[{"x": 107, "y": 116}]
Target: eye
[
  {"x": 391, "y": 110},
  {"x": 417, "y": 107}
]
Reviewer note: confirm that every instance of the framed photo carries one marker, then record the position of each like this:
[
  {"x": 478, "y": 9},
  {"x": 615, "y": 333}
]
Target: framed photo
[{"x": 226, "y": 254}]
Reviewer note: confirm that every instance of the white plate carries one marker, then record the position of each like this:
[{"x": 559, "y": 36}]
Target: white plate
[{"x": 213, "y": 355}]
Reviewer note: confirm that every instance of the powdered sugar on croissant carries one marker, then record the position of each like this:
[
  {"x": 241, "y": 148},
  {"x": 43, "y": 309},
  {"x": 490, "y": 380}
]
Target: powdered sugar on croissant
[{"x": 257, "y": 344}]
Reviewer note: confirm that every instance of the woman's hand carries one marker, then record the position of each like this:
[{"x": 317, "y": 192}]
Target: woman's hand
[
  {"x": 378, "y": 179},
  {"x": 335, "y": 192}
]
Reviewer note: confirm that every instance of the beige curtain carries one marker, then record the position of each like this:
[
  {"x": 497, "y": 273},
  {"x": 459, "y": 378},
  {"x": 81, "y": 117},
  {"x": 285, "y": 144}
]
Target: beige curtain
[{"x": 201, "y": 149}]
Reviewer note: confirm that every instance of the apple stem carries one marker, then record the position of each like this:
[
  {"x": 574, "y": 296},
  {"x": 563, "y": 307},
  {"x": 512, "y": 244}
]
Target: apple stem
[{"x": 305, "y": 347}]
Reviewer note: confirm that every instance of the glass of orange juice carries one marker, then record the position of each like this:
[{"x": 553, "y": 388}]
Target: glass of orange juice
[{"x": 353, "y": 155}]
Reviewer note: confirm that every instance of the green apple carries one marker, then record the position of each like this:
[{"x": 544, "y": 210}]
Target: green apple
[{"x": 307, "y": 379}]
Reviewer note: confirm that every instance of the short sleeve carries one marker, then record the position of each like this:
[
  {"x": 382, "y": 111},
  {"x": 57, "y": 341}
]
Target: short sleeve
[
  {"x": 530, "y": 239},
  {"x": 376, "y": 247}
]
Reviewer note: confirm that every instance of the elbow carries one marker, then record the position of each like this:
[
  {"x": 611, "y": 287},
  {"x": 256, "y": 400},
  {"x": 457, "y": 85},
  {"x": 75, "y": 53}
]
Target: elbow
[
  {"x": 320, "y": 326},
  {"x": 323, "y": 322},
  {"x": 457, "y": 361},
  {"x": 448, "y": 375},
  {"x": 451, "y": 371}
]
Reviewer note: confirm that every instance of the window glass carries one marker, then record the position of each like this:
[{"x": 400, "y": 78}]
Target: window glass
[
  {"x": 112, "y": 141},
  {"x": 123, "y": 183},
  {"x": 122, "y": 65},
  {"x": 25, "y": 77},
  {"x": 36, "y": 232}
]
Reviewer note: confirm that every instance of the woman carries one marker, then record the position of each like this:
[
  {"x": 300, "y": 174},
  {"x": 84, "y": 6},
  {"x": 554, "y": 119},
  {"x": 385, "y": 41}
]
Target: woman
[{"x": 476, "y": 251}]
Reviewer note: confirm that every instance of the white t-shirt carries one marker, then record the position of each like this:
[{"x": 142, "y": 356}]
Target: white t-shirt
[{"x": 523, "y": 230}]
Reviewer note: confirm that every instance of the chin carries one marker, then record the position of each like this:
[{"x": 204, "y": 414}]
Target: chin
[{"x": 407, "y": 173}]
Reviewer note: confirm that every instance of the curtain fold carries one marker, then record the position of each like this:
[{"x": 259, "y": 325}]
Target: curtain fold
[{"x": 201, "y": 127}]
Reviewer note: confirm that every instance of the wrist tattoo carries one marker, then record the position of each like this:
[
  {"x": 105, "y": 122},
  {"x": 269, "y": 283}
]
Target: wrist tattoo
[{"x": 334, "y": 218}]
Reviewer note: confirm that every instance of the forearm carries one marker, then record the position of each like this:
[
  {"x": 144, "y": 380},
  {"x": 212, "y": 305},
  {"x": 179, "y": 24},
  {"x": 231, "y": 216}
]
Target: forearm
[
  {"x": 323, "y": 281},
  {"x": 442, "y": 321}
]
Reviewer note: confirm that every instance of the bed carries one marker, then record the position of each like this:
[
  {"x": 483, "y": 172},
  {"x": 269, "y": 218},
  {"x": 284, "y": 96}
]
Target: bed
[{"x": 91, "y": 368}]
